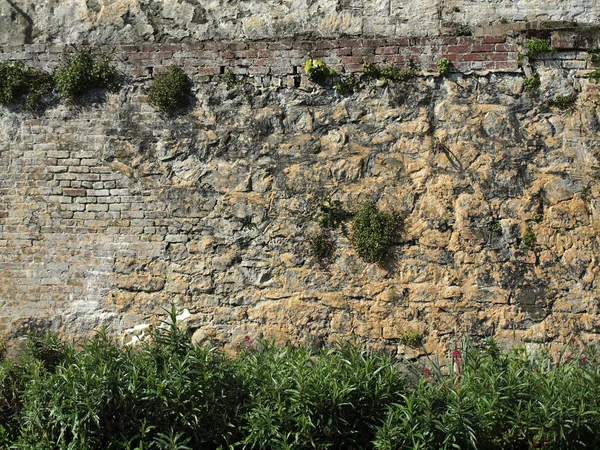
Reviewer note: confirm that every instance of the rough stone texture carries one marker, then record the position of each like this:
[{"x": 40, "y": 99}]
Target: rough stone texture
[
  {"x": 135, "y": 21},
  {"x": 111, "y": 212}
]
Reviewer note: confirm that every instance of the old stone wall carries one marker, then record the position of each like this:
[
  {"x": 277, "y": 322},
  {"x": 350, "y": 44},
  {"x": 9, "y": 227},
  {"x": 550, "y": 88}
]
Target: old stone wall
[
  {"x": 136, "y": 21},
  {"x": 111, "y": 212}
]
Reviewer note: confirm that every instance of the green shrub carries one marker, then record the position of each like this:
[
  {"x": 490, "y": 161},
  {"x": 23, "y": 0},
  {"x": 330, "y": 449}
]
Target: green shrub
[
  {"x": 537, "y": 46},
  {"x": 20, "y": 81},
  {"x": 373, "y": 232},
  {"x": 167, "y": 393},
  {"x": 318, "y": 72},
  {"x": 82, "y": 75},
  {"x": 498, "y": 400},
  {"x": 170, "y": 90},
  {"x": 443, "y": 66},
  {"x": 390, "y": 72},
  {"x": 306, "y": 399},
  {"x": 528, "y": 238},
  {"x": 532, "y": 82}
]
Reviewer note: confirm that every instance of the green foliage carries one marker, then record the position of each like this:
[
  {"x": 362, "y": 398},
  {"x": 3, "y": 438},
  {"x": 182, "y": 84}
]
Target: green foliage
[
  {"x": 443, "y": 66},
  {"x": 169, "y": 394},
  {"x": 304, "y": 399},
  {"x": 322, "y": 245},
  {"x": 496, "y": 227},
  {"x": 410, "y": 339},
  {"x": 528, "y": 238},
  {"x": 82, "y": 75},
  {"x": 563, "y": 102},
  {"x": 537, "y": 46},
  {"x": 532, "y": 82},
  {"x": 390, "y": 72},
  {"x": 318, "y": 72},
  {"x": 595, "y": 75},
  {"x": 373, "y": 232},
  {"x": 171, "y": 90},
  {"x": 495, "y": 400},
  {"x": 20, "y": 81},
  {"x": 537, "y": 217},
  {"x": 346, "y": 85},
  {"x": 231, "y": 79},
  {"x": 331, "y": 213}
]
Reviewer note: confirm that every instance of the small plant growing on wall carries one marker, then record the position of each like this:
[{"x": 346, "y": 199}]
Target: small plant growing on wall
[
  {"x": 331, "y": 213},
  {"x": 537, "y": 46},
  {"x": 563, "y": 102},
  {"x": 322, "y": 246},
  {"x": 390, "y": 72},
  {"x": 82, "y": 75},
  {"x": 410, "y": 339},
  {"x": 318, "y": 72},
  {"x": 170, "y": 90},
  {"x": 528, "y": 238},
  {"x": 595, "y": 75},
  {"x": 531, "y": 83},
  {"x": 443, "y": 66},
  {"x": 20, "y": 82},
  {"x": 374, "y": 231}
]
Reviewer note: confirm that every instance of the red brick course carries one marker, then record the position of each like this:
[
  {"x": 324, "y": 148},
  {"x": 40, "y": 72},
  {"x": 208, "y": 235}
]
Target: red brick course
[{"x": 281, "y": 59}]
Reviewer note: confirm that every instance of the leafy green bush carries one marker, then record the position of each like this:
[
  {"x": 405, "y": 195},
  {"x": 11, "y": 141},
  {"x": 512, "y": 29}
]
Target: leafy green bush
[
  {"x": 82, "y": 75},
  {"x": 316, "y": 399},
  {"x": 20, "y": 81},
  {"x": 373, "y": 232},
  {"x": 168, "y": 394},
  {"x": 537, "y": 46},
  {"x": 494, "y": 400},
  {"x": 443, "y": 66},
  {"x": 318, "y": 72},
  {"x": 171, "y": 90}
]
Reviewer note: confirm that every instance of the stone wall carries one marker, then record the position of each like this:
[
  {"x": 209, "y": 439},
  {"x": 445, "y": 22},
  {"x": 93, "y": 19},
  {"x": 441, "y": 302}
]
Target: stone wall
[
  {"x": 111, "y": 212},
  {"x": 137, "y": 21}
]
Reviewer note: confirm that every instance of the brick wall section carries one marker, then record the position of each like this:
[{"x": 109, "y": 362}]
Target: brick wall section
[
  {"x": 282, "y": 59},
  {"x": 271, "y": 61}
]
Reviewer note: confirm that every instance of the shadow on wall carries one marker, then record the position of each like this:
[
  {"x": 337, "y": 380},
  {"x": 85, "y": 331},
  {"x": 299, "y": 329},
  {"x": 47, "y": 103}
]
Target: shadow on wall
[{"x": 29, "y": 28}]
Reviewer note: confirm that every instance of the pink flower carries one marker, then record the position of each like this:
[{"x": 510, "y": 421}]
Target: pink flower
[
  {"x": 246, "y": 338},
  {"x": 427, "y": 372},
  {"x": 572, "y": 340},
  {"x": 569, "y": 358},
  {"x": 456, "y": 354}
]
